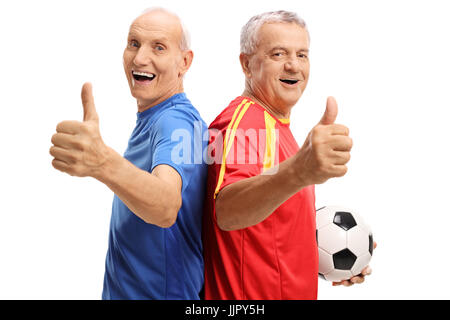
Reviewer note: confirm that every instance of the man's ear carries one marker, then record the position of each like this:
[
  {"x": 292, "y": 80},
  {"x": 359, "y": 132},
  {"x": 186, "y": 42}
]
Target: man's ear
[
  {"x": 186, "y": 62},
  {"x": 245, "y": 61}
]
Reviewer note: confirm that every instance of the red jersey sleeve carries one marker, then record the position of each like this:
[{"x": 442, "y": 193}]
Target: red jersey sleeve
[{"x": 237, "y": 143}]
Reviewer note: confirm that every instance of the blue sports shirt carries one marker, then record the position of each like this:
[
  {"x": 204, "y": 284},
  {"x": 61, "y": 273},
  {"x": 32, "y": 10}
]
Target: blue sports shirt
[{"x": 145, "y": 261}]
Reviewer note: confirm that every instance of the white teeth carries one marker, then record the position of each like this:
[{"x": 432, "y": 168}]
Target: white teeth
[{"x": 144, "y": 74}]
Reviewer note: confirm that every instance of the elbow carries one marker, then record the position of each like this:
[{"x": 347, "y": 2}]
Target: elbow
[
  {"x": 220, "y": 223},
  {"x": 223, "y": 222},
  {"x": 169, "y": 221},
  {"x": 224, "y": 227},
  {"x": 169, "y": 215},
  {"x": 227, "y": 212},
  {"x": 227, "y": 226}
]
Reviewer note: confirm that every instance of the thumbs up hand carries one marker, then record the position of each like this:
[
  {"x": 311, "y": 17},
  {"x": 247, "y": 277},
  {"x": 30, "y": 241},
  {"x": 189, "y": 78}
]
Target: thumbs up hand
[
  {"x": 326, "y": 150},
  {"x": 78, "y": 148},
  {"x": 89, "y": 111},
  {"x": 331, "y": 112}
]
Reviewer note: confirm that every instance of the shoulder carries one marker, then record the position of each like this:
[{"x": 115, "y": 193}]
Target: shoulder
[
  {"x": 241, "y": 113},
  {"x": 179, "y": 116}
]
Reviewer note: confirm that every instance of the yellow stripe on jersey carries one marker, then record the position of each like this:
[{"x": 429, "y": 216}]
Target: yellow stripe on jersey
[
  {"x": 233, "y": 118},
  {"x": 285, "y": 121},
  {"x": 229, "y": 138},
  {"x": 271, "y": 138}
]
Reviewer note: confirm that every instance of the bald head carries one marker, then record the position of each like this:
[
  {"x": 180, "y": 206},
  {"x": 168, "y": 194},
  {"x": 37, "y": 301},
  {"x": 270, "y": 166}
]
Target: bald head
[
  {"x": 157, "y": 57},
  {"x": 164, "y": 17}
]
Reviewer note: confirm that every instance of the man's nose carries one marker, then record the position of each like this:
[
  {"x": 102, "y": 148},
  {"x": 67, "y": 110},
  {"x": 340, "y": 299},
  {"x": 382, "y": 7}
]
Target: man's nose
[
  {"x": 292, "y": 65},
  {"x": 143, "y": 57}
]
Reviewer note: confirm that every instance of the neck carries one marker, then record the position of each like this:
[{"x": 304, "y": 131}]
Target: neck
[
  {"x": 280, "y": 114},
  {"x": 145, "y": 104}
]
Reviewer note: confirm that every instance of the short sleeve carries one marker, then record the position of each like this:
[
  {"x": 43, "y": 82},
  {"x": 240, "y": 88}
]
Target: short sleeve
[
  {"x": 239, "y": 152},
  {"x": 178, "y": 142},
  {"x": 228, "y": 173}
]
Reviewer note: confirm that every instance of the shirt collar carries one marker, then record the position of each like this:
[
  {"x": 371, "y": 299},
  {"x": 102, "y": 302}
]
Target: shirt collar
[{"x": 153, "y": 110}]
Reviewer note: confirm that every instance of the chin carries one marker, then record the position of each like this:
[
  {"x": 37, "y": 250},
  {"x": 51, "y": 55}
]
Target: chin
[
  {"x": 136, "y": 95},
  {"x": 139, "y": 94},
  {"x": 291, "y": 102}
]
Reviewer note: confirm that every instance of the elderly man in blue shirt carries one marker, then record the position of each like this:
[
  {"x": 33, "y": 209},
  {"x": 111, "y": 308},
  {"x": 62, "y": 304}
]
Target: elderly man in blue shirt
[{"x": 155, "y": 248}]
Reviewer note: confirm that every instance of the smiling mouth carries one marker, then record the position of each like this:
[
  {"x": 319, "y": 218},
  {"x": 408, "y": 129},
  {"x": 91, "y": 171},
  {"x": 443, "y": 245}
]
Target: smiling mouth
[
  {"x": 143, "y": 76},
  {"x": 289, "y": 81}
]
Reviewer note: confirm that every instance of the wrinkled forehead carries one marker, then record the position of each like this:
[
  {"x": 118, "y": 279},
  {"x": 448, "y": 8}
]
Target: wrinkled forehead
[
  {"x": 287, "y": 35},
  {"x": 157, "y": 23}
]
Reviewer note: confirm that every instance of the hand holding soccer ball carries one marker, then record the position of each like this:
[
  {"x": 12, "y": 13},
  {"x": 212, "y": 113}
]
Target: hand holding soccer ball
[
  {"x": 356, "y": 279},
  {"x": 345, "y": 244}
]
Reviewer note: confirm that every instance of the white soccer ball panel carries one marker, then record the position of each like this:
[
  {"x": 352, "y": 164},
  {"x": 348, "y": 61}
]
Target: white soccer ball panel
[
  {"x": 324, "y": 217},
  {"x": 332, "y": 239},
  {"x": 361, "y": 263},
  {"x": 358, "y": 241},
  {"x": 338, "y": 275},
  {"x": 366, "y": 228},
  {"x": 358, "y": 218},
  {"x": 325, "y": 262},
  {"x": 361, "y": 222}
]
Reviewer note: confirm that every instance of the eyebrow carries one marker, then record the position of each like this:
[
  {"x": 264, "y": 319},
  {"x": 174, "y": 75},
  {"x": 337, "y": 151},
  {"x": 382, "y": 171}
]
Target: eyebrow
[
  {"x": 132, "y": 34},
  {"x": 283, "y": 48}
]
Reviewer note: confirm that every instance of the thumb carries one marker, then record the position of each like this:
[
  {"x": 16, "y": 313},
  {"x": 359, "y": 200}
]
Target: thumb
[
  {"x": 88, "y": 103},
  {"x": 330, "y": 115}
]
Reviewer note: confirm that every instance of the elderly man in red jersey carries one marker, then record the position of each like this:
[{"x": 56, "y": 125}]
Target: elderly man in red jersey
[{"x": 259, "y": 223}]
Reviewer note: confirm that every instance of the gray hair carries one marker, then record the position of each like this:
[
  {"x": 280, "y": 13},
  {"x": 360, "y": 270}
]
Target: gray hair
[
  {"x": 249, "y": 33},
  {"x": 185, "y": 43}
]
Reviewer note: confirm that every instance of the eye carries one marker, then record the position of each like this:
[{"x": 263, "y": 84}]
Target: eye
[
  {"x": 303, "y": 56},
  {"x": 159, "y": 47},
  {"x": 133, "y": 43}
]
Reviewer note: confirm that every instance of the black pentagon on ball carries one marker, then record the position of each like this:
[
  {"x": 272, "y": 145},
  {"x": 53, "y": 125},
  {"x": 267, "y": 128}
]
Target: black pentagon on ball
[
  {"x": 344, "y": 260},
  {"x": 370, "y": 244},
  {"x": 344, "y": 220}
]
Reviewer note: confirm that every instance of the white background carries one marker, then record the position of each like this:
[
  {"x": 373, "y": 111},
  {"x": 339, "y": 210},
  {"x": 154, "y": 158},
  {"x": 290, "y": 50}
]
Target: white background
[{"x": 386, "y": 62}]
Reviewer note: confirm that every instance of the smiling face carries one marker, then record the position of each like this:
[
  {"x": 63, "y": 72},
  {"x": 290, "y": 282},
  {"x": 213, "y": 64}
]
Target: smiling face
[
  {"x": 153, "y": 60},
  {"x": 277, "y": 72}
]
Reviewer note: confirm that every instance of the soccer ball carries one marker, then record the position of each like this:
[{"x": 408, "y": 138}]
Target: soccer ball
[{"x": 344, "y": 241}]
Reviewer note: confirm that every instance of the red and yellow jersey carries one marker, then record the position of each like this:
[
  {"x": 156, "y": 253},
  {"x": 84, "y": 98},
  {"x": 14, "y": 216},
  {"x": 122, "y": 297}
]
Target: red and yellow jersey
[{"x": 278, "y": 257}]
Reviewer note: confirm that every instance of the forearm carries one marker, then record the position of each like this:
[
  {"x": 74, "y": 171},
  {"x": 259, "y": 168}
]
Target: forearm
[
  {"x": 250, "y": 201},
  {"x": 147, "y": 196}
]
